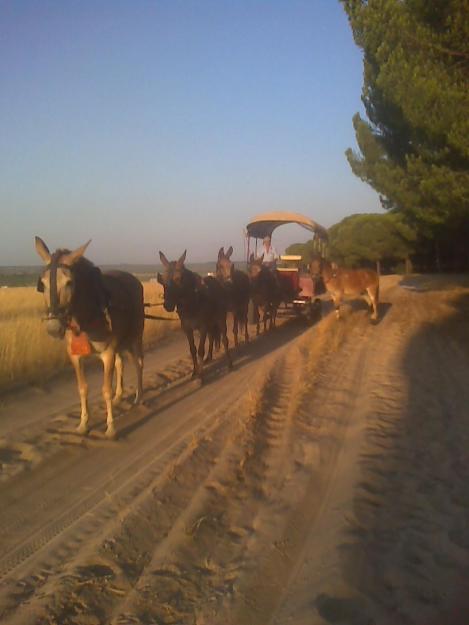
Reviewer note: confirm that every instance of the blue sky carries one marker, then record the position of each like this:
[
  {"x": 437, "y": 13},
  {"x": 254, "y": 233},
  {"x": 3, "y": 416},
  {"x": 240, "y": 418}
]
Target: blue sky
[{"x": 149, "y": 125}]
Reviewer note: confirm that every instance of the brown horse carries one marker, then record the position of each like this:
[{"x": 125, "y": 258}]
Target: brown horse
[
  {"x": 200, "y": 304},
  {"x": 100, "y": 313},
  {"x": 238, "y": 290},
  {"x": 340, "y": 282},
  {"x": 265, "y": 292}
]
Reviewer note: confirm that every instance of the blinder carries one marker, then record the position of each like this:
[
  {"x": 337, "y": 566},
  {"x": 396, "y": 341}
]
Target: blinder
[{"x": 54, "y": 311}]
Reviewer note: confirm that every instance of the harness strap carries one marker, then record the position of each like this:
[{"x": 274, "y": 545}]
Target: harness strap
[{"x": 52, "y": 267}]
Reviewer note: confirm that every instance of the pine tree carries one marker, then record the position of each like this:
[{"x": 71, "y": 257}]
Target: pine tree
[{"x": 414, "y": 147}]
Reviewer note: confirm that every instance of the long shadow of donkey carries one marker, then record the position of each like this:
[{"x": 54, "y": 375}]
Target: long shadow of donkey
[{"x": 201, "y": 305}]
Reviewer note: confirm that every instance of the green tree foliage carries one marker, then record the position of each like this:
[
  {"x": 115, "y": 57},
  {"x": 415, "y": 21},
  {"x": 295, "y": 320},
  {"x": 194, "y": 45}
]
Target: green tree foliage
[
  {"x": 362, "y": 239},
  {"x": 306, "y": 250},
  {"x": 371, "y": 238},
  {"x": 414, "y": 147}
]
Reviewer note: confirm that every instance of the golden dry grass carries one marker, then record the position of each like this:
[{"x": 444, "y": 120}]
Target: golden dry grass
[{"x": 29, "y": 354}]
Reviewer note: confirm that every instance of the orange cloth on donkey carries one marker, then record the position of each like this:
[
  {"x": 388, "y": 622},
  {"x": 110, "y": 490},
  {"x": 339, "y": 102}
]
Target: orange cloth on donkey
[{"x": 80, "y": 345}]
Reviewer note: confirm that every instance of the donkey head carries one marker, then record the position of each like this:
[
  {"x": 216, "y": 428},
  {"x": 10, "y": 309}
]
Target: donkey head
[
  {"x": 171, "y": 280},
  {"x": 225, "y": 266},
  {"x": 57, "y": 284},
  {"x": 255, "y": 266},
  {"x": 320, "y": 267}
]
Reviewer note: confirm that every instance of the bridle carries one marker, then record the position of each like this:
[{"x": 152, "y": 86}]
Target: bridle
[{"x": 54, "y": 311}]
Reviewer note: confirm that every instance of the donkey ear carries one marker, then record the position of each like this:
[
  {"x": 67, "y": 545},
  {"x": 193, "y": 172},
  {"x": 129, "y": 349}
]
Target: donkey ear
[
  {"x": 182, "y": 258},
  {"x": 164, "y": 260},
  {"x": 229, "y": 252},
  {"x": 221, "y": 253},
  {"x": 159, "y": 278},
  {"x": 72, "y": 257},
  {"x": 42, "y": 250}
]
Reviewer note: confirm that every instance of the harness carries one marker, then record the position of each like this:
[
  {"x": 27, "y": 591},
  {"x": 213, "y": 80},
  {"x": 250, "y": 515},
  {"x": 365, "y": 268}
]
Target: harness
[
  {"x": 53, "y": 310},
  {"x": 64, "y": 315}
]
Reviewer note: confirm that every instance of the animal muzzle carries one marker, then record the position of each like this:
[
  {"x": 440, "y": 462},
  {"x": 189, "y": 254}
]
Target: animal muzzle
[{"x": 55, "y": 327}]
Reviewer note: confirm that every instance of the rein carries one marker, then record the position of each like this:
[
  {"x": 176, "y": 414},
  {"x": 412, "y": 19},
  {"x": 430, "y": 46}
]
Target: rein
[{"x": 54, "y": 296}]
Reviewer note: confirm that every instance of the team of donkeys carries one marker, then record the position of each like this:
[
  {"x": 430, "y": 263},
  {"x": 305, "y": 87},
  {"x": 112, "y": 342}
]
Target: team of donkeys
[{"x": 103, "y": 312}]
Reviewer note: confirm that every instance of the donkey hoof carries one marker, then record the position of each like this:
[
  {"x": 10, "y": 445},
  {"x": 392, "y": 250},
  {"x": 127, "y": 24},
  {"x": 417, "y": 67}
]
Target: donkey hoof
[
  {"x": 83, "y": 429},
  {"x": 111, "y": 433},
  {"x": 116, "y": 399}
]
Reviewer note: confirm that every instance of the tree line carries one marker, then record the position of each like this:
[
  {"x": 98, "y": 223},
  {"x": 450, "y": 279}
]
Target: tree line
[{"x": 413, "y": 145}]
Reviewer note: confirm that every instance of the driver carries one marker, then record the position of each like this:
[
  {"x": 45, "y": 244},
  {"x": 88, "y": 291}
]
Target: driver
[{"x": 270, "y": 254}]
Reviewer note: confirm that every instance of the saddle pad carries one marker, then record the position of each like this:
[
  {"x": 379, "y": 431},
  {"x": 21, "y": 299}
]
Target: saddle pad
[{"x": 80, "y": 345}]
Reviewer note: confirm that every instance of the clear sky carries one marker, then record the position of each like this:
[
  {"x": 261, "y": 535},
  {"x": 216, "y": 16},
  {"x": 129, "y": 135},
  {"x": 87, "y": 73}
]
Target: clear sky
[{"x": 166, "y": 124}]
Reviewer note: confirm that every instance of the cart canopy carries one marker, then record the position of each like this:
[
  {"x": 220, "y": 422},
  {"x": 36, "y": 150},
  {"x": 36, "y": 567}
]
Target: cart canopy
[{"x": 263, "y": 225}]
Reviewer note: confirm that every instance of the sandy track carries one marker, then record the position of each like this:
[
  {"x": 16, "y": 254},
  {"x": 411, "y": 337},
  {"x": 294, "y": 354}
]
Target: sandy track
[{"x": 317, "y": 483}]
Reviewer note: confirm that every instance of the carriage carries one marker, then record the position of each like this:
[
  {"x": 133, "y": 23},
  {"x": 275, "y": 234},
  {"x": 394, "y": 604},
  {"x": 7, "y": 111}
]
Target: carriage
[{"x": 300, "y": 292}]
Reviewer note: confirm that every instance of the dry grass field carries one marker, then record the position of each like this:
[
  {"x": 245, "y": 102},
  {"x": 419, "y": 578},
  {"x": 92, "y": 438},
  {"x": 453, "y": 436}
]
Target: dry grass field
[{"x": 28, "y": 354}]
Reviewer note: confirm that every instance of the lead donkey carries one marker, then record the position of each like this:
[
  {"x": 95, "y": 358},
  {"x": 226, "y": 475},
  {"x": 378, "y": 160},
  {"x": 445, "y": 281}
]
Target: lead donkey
[
  {"x": 100, "y": 313},
  {"x": 340, "y": 282}
]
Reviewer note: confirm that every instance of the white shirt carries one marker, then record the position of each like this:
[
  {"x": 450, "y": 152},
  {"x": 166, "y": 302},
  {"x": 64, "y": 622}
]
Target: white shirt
[{"x": 269, "y": 256}]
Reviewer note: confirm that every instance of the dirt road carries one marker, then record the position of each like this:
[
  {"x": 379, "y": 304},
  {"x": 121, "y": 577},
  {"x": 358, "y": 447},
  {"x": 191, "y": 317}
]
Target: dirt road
[{"x": 324, "y": 480}]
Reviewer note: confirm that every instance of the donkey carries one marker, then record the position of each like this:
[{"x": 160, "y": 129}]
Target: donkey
[
  {"x": 238, "y": 290},
  {"x": 265, "y": 292},
  {"x": 100, "y": 313},
  {"x": 200, "y": 304},
  {"x": 340, "y": 282}
]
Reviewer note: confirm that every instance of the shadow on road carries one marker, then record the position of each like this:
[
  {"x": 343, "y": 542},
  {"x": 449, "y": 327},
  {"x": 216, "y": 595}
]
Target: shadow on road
[
  {"x": 245, "y": 354},
  {"x": 407, "y": 547}
]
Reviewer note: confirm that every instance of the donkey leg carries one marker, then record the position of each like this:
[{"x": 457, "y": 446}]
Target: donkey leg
[
  {"x": 119, "y": 379},
  {"x": 266, "y": 314},
  {"x": 368, "y": 300},
  {"x": 224, "y": 335},
  {"x": 227, "y": 349},
  {"x": 337, "y": 301},
  {"x": 83, "y": 391},
  {"x": 211, "y": 341},
  {"x": 137, "y": 358},
  {"x": 273, "y": 316},
  {"x": 373, "y": 295},
  {"x": 108, "y": 358},
  {"x": 244, "y": 320},
  {"x": 193, "y": 350},
  {"x": 235, "y": 328},
  {"x": 201, "y": 351}
]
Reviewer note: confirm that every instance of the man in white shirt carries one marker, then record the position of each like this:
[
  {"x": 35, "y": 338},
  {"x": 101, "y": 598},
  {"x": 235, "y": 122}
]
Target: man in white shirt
[{"x": 270, "y": 254}]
